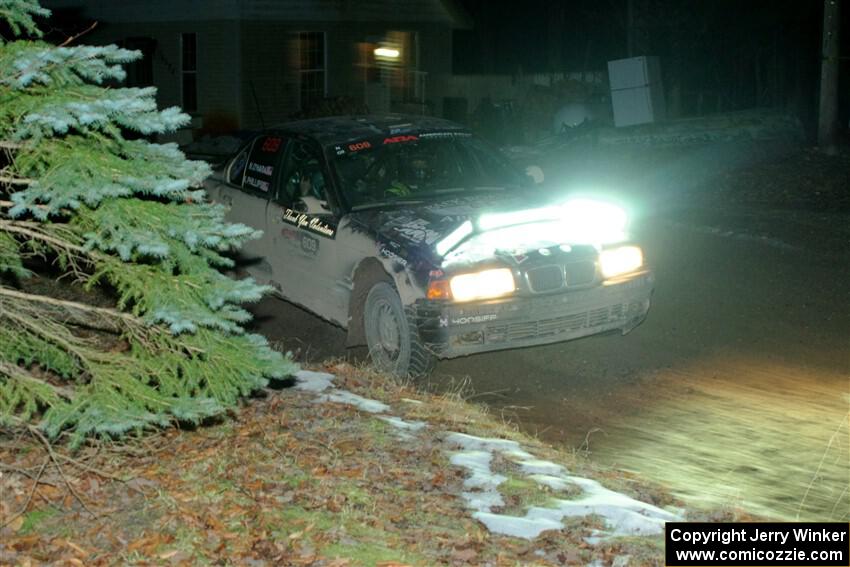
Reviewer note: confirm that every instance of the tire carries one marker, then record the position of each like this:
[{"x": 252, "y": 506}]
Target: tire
[{"x": 392, "y": 339}]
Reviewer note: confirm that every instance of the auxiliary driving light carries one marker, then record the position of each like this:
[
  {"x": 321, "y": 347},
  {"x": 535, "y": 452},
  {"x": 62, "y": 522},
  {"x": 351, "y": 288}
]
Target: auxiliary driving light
[
  {"x": 482, "y": 285},
  {"x": 618, "y": 261}
]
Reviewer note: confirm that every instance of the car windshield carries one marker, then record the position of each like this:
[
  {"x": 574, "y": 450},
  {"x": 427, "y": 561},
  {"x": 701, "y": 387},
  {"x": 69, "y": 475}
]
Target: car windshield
[{"x": 409, "y": 168}]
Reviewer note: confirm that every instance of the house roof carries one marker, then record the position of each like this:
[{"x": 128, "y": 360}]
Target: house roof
[{"x": 435, "y": 11}]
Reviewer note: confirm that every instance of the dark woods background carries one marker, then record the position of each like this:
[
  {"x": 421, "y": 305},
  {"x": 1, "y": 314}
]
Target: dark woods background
[{"x": 716, "y": 55}]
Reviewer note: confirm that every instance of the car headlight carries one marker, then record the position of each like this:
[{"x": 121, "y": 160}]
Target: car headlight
[
  {"x": 482, "y": 285},
  {"x": 621, "y": 260}
]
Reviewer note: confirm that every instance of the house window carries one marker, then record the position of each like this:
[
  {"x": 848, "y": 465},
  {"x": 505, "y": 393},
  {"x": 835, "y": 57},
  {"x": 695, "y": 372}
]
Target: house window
[
  {"x": 189, "y": 71},
  {"x": 311, "y": 47}
]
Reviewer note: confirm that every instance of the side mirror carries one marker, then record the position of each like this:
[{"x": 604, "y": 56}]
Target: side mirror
[
  {"x": 534, "y": 172},
  {"x": 311, "y": 205}
]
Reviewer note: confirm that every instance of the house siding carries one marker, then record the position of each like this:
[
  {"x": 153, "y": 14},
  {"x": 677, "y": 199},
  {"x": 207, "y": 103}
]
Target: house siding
[
  {"x": 269, "y": 85},
  {"x": 247, "y": 62}
]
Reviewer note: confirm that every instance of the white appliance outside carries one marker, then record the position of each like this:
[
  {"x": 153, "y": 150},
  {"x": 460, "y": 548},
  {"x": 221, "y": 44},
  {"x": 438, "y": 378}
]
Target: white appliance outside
[{"x": 637, "y": 94}]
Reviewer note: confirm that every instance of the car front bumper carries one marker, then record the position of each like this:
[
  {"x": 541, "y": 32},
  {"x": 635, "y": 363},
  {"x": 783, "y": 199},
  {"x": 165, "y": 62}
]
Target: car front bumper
[{"x": 451, "y": 330}]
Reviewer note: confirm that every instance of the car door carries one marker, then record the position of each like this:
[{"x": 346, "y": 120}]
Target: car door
[
  {"x": 302, "y": 223},
  {"x": 248, "y": 184}
]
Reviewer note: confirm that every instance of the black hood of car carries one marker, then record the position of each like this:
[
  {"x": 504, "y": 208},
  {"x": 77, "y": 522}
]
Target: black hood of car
[{"x": 416, "y": 228}]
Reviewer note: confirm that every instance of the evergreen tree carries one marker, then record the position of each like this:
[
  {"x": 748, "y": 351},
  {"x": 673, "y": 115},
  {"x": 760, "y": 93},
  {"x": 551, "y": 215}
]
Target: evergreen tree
[{"x": 111, "y": 213}]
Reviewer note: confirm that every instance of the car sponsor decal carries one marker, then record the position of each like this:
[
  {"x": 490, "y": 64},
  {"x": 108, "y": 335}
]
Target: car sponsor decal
[
  {"x": 309, "y": 245},
  {"x": 474, "y": 319},
  {"x": 257, "y": 183},
  {"x": 260, "y": 170},
  {"x": 271, "y": 144},
  {"x": 387, "y": 253},
  {"x": 416, "y": 230},
  {"x": 400, "y": 139},
  {"x": 266, "y": 170},
  {"x": 357, "y": 146},
  {"x": 459, "y": 134},
  {"x": 309, "y": 223}
]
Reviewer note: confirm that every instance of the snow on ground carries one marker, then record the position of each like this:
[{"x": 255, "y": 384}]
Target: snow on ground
[
  {"x": 321, "y": 382},
  {"x": 478, "y": 463},
  {"x": 623, "y": 515},
  {"x": 350, "y": 398},
  {"x": 313, "y": 381},
  {"x": 538, "y": 467},
  {"x": 470, "y": 442},
  {"x": 526, "y": 528},
  {"x": 402, "y": 424}
]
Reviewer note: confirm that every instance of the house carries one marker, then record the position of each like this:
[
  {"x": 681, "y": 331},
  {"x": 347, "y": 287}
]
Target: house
[{"x": 249, "y": 63}]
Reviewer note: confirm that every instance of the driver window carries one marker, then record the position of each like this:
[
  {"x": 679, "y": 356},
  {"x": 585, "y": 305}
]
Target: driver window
[{"x": 304, "y": 174}]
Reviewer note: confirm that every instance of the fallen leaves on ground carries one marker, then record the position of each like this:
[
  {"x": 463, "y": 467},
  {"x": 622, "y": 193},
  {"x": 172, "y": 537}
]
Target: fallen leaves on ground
[{"x": 284, "y": 481}]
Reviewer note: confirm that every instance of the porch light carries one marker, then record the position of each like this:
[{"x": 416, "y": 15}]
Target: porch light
[{"x": 386, "y": 53}]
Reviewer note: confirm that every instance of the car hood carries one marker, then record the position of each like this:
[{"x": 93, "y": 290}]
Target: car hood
[
  {"x": 429, "y": 221},
  {"x": 416, "y": 229}
]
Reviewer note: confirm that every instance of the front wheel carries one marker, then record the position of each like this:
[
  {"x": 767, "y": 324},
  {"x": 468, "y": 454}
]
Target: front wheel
[{"x": 394, "y": 344}]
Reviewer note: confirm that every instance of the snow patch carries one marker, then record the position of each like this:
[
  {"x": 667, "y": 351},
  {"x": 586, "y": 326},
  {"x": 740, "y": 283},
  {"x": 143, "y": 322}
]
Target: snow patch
[
  {"x": 471, "y": 442},
  {"x": 526, "y": 528},
  {"x": 623, "y": 515},
  {"x": 483, "y": 501},
  {"x": 313, "y": 381},
  {"x": 537, "y": 466},
  {"x": 478, "y": 463},
  {"x": 402, "y": 424},
  {"x": 352, "y": 399}
]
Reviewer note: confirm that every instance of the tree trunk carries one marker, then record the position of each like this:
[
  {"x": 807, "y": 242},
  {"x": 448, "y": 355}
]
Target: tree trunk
[{"x": 828, "y": 114}]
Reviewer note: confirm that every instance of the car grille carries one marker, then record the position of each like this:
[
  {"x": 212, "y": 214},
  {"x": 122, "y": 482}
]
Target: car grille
[
  {"x": 553, "y": 278},
  {"x": 547, "y": 278},
  {"x": 556, "y": 325},
  {"x": 580, "y": 273}
]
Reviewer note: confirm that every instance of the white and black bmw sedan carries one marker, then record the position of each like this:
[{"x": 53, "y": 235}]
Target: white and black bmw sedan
[{"x": 424, "y": 242}]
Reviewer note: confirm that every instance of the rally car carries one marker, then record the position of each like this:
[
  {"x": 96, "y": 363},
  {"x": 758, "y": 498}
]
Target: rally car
[{"x": 424, "y": 242}]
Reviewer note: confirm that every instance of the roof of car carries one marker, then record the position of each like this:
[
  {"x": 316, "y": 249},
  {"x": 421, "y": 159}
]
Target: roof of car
[{"x": 346, "y": 129}]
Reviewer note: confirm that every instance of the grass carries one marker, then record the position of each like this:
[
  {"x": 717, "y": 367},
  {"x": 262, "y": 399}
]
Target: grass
[
  {"x": 520, "y": 494},
  {"x": 34, "y": 518},
  {"x": 370, "y": 554}
]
